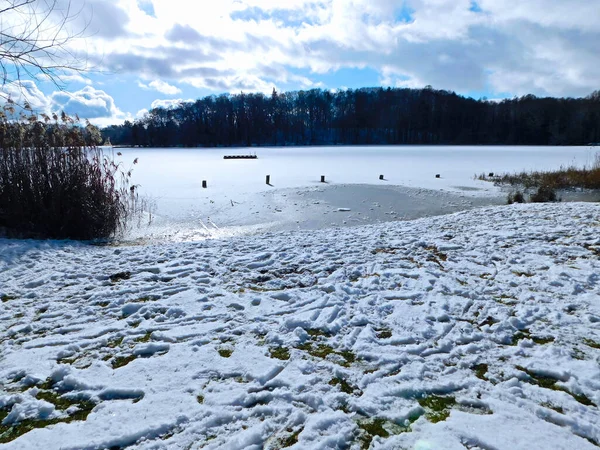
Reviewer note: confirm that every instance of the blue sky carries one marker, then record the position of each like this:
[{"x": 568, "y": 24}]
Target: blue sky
[{"x": 145, "y": 53}]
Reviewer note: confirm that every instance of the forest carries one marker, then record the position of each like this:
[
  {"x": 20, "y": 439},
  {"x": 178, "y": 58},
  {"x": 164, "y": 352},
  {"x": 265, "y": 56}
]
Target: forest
[{"x": 366, "y": 116}]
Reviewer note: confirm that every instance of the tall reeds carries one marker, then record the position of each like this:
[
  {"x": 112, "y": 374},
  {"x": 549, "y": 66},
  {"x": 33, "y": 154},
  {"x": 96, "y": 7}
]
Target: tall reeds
[
  {"x": 55, "y": 182},
  {"x": 563, "y": 178}
]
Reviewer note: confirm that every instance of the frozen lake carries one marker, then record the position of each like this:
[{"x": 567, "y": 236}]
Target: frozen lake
[{"x": 237, "y": 198}]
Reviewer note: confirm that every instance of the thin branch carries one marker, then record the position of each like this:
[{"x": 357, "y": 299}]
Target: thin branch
[{"x": 35, "y": 39}]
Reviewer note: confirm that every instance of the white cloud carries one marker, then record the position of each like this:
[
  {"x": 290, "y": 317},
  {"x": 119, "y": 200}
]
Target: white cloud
[
  {"x": 232, "y": 83},
  {"x": 168, "y": 103},
  {"x": 160, "y": 86},
  {"x": 26, "y": 91},
  {"x": 581, "y": 15},
  {"x": 87, "y": 102}
]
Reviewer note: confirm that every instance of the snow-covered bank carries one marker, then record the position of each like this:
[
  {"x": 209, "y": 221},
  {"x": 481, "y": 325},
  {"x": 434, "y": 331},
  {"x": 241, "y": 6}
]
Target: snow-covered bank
[{"x": 475, "y": 330}]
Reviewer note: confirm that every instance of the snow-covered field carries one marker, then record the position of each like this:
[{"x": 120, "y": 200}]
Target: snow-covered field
[{"x": 477, "y": 330}]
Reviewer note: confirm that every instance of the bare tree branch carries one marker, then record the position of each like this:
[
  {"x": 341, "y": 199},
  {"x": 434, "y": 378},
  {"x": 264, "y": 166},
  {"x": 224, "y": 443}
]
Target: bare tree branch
[{"x": 35, "y": 40}]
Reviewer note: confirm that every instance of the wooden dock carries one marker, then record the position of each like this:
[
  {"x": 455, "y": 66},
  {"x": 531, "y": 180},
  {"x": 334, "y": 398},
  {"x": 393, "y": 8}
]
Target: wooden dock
[{"x": 240, "y": 157}]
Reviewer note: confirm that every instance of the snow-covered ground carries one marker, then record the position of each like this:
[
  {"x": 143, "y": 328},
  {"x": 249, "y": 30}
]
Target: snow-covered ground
[{"x": 477, "y": 330}]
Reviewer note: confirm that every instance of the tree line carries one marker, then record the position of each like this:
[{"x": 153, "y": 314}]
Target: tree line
[{"x": 366, "y": 116}]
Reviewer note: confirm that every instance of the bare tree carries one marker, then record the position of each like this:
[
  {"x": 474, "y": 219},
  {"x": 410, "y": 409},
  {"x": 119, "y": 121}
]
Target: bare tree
[{"x": 36, "y": 38}]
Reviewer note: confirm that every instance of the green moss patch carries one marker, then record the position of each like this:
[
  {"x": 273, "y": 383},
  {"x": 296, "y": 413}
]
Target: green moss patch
[
  {"x": 345, "y": 387},
  {"x": 69, "y": 361},
  {"x": 380, "y": 427},
  {"x": 388, "y": 250},
  {"x": 324, "y": 350},
  {"x": 225, "y": 352},
  {"x": 548, "y": 382},
  {"x": 316, "y": 332},
  {"x": 145, "y": 338},
  {"x": 383, "y": 333},
  {"x": 489, "y": 320},
  {"x": 506, "y": 300},
  {"x": 519, "y": 336},
  {"x": 591, "y": 343},
  {"x": 119, "y": 277},
  {"x": 480, "y": 371},
  {"x": 553, "y": 407},
  {"x": 122, "y": 361},
  {"x": 543, "y": 381},
  {"x": 47, "y": 384},
  {"x": 437, "y": 408},
  {"x": 542, "y": 340},
  {"x": 3, "y": 413},
  {"x": 594, "y": 249},
  {"x": 146, "y": 299},
  {"x": 581, "y": 398},
  {"x": 290, "y": 439},
  {"x": 369, "y": 429},
  {"x": 522, "y": 274},
  {"x": 349, "y": 356},
  {"x": 59, "y": 401},
  {"x": 11, "y": 432},
  {"x": 307, "y": 346},
  {"x": 114, "y": 343},
  {"x": 279, "y": 353},
  {"x": 436, "y": 255},
  {"x": 321, "y": 351},
  {"x": 578, "y": 354},
  {"x": 526, "y": 334}
]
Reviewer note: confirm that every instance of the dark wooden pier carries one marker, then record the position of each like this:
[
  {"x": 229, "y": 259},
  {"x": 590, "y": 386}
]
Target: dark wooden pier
[{"x": 240, "y": 157}]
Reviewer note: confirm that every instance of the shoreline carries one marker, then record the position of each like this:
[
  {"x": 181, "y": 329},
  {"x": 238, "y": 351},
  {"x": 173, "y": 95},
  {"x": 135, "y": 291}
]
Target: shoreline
[
  {"x": 319, "y": 208},
  {"x": 309, "y": 208}
]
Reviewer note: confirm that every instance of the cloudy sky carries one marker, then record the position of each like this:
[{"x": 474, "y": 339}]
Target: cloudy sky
[{"x": 155, "y": 52}]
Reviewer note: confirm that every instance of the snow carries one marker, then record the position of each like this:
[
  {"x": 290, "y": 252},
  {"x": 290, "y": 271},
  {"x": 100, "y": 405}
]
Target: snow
[{"x": 320, "y": 339}]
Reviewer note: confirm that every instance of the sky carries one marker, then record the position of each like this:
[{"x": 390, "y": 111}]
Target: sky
[{"x": 139, "y": 54}]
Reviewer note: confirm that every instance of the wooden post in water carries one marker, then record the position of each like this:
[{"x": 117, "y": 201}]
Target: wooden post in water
[
  {"x": 268, "y": 180},
  {"x": 381, "y": 177},
  {"x": 204, "y": 184},
  {"x": 322, "y": 178}
]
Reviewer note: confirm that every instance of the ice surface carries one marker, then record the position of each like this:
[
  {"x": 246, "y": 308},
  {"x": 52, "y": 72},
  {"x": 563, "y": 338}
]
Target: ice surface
[
  {"x": 238, "y": 200},
  {"x": 177, "y": 174}
]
